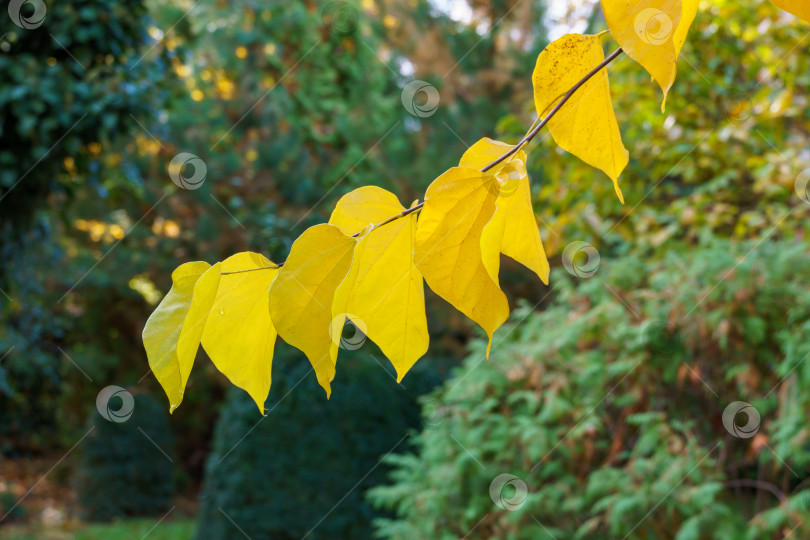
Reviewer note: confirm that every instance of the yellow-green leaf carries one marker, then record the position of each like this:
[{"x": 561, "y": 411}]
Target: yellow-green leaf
[
  {"x": 800, "y": 8},
  {"x": 162, "y": 331},
  {"x": 383, "y": 294},
  {"x": 447, "y": 249},
  {"x": 301, "y": 295},
  {"x": 652, "y": 33},
  {"x": 188, "y": 343},
  {"x": 239, "y": 335},
  {"x": 586, "y": 125},
  {"x": 513, "y": 228}
]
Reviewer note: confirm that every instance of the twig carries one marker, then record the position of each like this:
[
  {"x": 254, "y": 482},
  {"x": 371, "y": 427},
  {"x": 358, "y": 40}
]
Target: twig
[{"x": 512, "y": 151}]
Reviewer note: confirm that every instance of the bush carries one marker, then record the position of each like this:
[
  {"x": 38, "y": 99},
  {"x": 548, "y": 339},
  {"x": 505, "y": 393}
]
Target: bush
[
  {"x": 614, "y": 409},
  {"x": 72, "y": 82},
  {"x": 303, "y": 468},
  {"x": 126, "y": 468}
]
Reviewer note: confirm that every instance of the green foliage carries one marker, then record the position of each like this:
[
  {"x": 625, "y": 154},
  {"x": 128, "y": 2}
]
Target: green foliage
[
  {"x": 71, "y": 87},
  {"x": 305, "y": 466},
  {"x": 127, "y": 468},
  {"x": 68, "y": 85},
  {"x": 609, "y": 406}
]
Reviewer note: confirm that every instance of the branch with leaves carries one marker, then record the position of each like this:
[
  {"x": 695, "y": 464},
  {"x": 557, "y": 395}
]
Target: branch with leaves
[{"x": 367, "y": 264}]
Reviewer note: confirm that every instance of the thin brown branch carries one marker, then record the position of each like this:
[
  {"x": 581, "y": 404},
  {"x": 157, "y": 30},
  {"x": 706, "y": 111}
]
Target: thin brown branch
[{"x": 512, "y": 151}]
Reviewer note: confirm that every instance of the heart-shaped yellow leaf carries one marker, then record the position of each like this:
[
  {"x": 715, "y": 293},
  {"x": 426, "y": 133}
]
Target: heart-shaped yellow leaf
[
  {"x": 800, "y": 8},
  {"x": 447, "y": 249},
  {"x": 586, "y": 125},
  {"x": 652, "y": 33},
  {"x": 513, "y": 228},
  {"x": 383, "y": 294},
  {"x": 239, "y": 335},
  {"x": 301, "y": 295},
  {"x": 162, "y": 331}
]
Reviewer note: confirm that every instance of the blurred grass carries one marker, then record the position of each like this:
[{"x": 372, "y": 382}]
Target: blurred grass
[{"x": 121, "y": 530}]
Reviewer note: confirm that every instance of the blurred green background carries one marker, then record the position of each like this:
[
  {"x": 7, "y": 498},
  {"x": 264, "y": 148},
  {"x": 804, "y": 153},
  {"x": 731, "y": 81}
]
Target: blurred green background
[{"x": 664, "y": 395}]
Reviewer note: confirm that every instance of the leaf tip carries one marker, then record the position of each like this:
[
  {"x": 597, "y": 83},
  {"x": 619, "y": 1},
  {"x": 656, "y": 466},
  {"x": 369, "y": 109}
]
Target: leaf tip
[
  {"x": 400, "y": 375},
  {"x": 260, "y": 405},
  {"x": 619, "y": 193}
]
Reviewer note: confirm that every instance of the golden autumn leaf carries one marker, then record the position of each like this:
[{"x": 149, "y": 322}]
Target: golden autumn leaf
[
  {"x": 383, "y": 294},
  {"x": 162, "y": 331},
  {"x": 688, "y": 13},
  {"x": 302, "y": 293},
  {"x": 239, "y": 335},
  {"x": 513, "y": 228},
  {"x": 652, "y": 33},
  {"x": 447, "y": 249},
  {"x": 363, "y": 206},
  {"x": 800, "y": 8},
  {"x": 586, "y": 125},
  {"x": 188, "y": 343},
  {"x": 487, "y": 150}
]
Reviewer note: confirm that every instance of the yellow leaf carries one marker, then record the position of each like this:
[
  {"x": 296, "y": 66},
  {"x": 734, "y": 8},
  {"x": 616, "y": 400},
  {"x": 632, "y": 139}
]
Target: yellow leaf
[
  {"x": 301, "y": 295},
  {"x": 690, "y": 9},
  {"x": 800, "y": 8},
  {"x": 652, "y": 33},
  {"x": 239, "y": 335},
  {"x": 205, "y": 291},
  {"x": 382, "y": 295},
  {"x": 513, "y": 228},
  {"x": 586, "y": 125},
  {"x": 487, "y": 150},
  {"x": 364, "y": 206},
  {"x": 447, "y": 249},
  {"x": 162, "y": 331}
]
